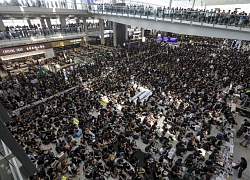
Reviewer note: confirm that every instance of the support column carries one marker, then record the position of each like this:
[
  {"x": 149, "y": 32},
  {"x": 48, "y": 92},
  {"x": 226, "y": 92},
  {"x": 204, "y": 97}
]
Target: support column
[
  {"x": 42, "y": 20},
  {"x": 77, "y": 21},
  {"x": 86, "y": 29},
  {"x": 63, "y": 21},
  {"x": 102, "y": 31},
  {"x": 113, "y": 1},
  {"x": 193, "y": 4},
  {"x": 142, "y": 32},
  {"x": 126, "y": 32},
  {"x": 170, "y": 4},
  {"x": 29, "y": 22},
  {"x": 48, "y": 21},
  {"x": 2, "y": 27},
  {"x": 120, "y": 35},
  {"x": 114, "y": 34}
]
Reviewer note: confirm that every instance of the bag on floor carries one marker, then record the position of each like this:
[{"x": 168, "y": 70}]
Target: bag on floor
[
  {"x": 135, "y": 137},
  {"x": 145, "y": 141},
  {"x": 79, "y": 133},
  {"x": 148, "y": 124},
  {"x": 61, "y": 156},
  {"x": 219, "y": 136}
]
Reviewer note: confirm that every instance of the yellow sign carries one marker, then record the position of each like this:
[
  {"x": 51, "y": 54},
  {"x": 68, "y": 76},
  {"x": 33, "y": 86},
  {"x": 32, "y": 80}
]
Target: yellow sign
[
  {"x": 75, "y": 121},
  {"x": 66, "y": 42}
]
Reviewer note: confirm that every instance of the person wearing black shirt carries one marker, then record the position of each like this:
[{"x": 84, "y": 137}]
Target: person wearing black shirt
[
  {"x": 242, "y": 164},
  {"x": 176, "y": 172},
  {"x": 157, "y": 174}
]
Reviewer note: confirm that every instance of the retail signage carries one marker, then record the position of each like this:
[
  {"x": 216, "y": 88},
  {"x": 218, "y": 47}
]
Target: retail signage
[
  {"x": 21, "y": 49},
  {"x": 66, "y": 42},
  {"x": 167, "y": 39}
]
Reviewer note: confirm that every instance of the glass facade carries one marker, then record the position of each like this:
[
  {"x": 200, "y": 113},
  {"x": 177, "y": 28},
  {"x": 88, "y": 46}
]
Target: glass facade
[
  {"x": 63, "y": 4},
  {"x": 5, "y": 169}
]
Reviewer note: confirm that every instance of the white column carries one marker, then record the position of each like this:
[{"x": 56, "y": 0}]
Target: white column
[
  {"x": 2, "y": 27},
  {"x": 170, "y": 4},
  {"x": 63, "y": 21},
  {"x": 86, "y": 29},
  {"x": 102, "y": 31},
  {"x": 114, "y": 34},
  {"x": 126, "y": 32}
]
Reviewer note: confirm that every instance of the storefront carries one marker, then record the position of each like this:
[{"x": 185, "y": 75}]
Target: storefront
[
  {"x": 22, "y": 57},
  {"x": 67, "y": 45}
]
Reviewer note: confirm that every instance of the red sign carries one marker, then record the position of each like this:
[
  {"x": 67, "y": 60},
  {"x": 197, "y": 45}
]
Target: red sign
[{"x": 21, "y": 49}]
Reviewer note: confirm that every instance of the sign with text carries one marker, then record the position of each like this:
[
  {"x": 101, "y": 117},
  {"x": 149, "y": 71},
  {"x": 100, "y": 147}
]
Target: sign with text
[
  {"x": 167, "y": 39},
  {"x": 67, "y": 42},
  {"x": 22, "y": 49}
]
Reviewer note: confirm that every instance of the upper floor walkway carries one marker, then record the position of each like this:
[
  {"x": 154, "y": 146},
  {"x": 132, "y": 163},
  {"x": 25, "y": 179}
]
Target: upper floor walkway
[
  {"x": 33, "y": 12},
  {"x": 177, "y": 20},
  {"x": 40, "y": 38}
]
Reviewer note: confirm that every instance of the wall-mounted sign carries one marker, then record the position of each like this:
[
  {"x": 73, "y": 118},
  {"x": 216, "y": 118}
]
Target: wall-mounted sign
[
  {"x": 21, "y": 49},
  {"x": 66, "y": 42},
  {"x": 66, "y": 47},
  {"x": 167, "y": 39}
]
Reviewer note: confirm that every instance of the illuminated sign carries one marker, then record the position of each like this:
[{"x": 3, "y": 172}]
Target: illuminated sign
[
  {"x": 21, "y": 49},
  {"x": 76, "y": 40},
  {"x": 66, "y": 42}
]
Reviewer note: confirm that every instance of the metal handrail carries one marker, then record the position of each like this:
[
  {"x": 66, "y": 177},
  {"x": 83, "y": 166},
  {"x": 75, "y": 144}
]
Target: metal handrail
[{"x": 202, "y": 16}]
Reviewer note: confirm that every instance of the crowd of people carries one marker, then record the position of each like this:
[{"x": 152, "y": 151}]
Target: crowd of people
[
  {"x": 20, "y": 32},
  {"x": 212, "y": 16},
  {"x": 101, "y": 136}
]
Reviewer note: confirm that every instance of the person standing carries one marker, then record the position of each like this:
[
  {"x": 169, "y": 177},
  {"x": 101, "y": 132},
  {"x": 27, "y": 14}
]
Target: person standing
[{"x": 242, "y": 164}]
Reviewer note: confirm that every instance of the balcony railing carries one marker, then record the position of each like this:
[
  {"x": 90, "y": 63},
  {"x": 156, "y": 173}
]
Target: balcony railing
[
  {"x": 21, "y": 34},
  {"x": 60, "y": 4},
  {"x": 215, "y": 18}
]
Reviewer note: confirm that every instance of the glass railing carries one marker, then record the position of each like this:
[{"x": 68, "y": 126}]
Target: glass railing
[
  {"x": 60, "y": 4},
  {"x": 199, "y": 16},
  {"x": 19, "y": 33},
  {"x": 8, "y": 167},
  {"x": 38, "y": 33}
]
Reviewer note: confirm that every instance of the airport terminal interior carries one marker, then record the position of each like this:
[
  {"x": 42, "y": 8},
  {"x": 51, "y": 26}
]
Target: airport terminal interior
[{"x": 124, "y": 89}]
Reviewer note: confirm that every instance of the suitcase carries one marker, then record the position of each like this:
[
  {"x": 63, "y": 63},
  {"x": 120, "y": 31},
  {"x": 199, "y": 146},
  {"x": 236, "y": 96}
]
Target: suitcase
[{"x": 61, "y": 156}]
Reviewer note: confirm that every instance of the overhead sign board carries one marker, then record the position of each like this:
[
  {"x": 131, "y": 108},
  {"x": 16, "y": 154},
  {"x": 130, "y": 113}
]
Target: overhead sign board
[{"x": 22, "y": 49}]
